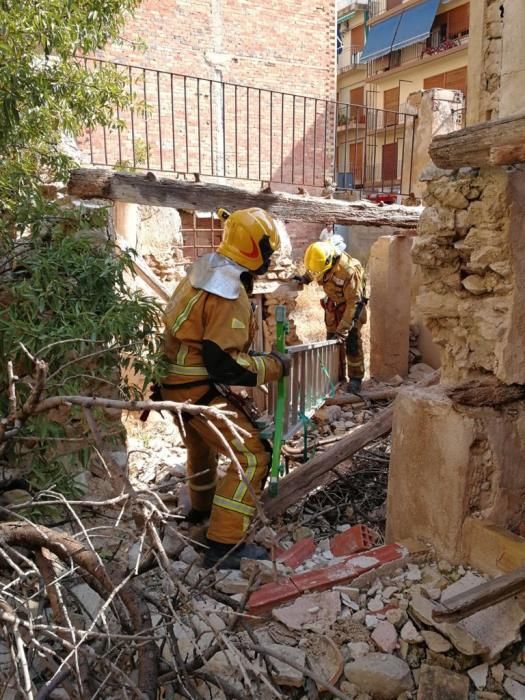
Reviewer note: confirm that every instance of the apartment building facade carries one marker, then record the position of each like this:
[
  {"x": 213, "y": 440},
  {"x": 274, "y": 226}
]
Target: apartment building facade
[{"x": 388, "y": 49}]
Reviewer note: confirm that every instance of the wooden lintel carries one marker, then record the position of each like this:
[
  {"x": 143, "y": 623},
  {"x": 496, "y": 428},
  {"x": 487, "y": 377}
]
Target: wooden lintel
[
  {"x": 491, "y": 143},
  {"x": 92, "y": 183}
]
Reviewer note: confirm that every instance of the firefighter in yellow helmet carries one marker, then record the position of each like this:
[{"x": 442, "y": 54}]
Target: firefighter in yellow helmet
[
  {"x": 343, "y": 280},
  {"x": 209, "y": 328}
]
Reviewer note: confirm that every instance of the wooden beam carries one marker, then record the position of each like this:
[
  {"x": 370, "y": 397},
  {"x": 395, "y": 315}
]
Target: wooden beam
[
  {"x": 481, "y": 597},
  {"x": 493, "y": 393},
  {"x": 92, "y": 183},
  {"x": 492, "y": 143}
]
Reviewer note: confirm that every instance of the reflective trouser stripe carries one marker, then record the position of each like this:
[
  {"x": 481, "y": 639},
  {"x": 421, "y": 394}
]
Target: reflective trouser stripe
[
  {"x": 188, "y": 370},
  {"x": 183, "y": 316},
  {"x": 235, "y": 506},
  {"x": 202, "y": 487},
  {"x": 251, "y": 459},
  {"x": 261, "y": 369}
]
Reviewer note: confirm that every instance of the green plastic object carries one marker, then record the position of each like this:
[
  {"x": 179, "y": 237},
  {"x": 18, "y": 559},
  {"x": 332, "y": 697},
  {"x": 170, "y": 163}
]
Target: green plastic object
[{"x": 277, "y": 468}]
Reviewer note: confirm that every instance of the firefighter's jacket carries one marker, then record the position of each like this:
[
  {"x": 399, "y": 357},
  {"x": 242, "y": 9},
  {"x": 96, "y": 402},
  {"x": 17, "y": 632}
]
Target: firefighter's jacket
[
  {"x": 207, "y": 338},
  {"x": 344, "y": 283}
]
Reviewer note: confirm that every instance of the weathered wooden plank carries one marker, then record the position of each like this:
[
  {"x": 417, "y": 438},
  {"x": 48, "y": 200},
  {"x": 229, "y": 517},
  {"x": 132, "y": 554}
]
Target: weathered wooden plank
[
  {"x": 498, "y": 142},
  {"x": 304, "y": 478},
  {"x": 481, "y": 597},
  {"x": 93, "y": 183},
  {"x": 486, "y": 394}
]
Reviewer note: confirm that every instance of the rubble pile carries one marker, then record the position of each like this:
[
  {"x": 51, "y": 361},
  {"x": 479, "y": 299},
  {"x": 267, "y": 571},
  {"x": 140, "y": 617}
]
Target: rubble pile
[{"x": 372, "y": 636}]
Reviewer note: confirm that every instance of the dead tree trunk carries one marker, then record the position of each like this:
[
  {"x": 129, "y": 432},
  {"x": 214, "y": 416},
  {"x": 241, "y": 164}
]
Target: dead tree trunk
[{"x": 90, "y": 183}]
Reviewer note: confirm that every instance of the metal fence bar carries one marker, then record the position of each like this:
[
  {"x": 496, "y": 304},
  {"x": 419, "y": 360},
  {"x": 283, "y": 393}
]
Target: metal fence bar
[{"x": 352, "y": 145}]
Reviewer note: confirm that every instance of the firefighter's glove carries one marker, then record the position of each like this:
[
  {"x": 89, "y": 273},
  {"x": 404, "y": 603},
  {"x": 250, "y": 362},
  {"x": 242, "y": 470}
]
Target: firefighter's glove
[
  {"x": 284, "y": 359},
  {"x": 340, "y": 336},
  {"x": 302, "y": 279}
]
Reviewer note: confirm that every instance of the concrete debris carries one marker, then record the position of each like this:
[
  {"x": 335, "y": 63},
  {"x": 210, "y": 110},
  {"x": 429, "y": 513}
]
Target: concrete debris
[
  {"x": 385, "y": 637},
  {"x": 514, "y": 689},
  {"x": 285, "y": 674},
  {"x": 435, "y": 642},
  {"x": 358, "y": 649},
  {"x": 381, "y": 675},
  {"x": 478, "y": 675},
  {"x": 231, "y": 582},
  {"x": 436, "y": 683},
  {"x": 315, "y": 611}
]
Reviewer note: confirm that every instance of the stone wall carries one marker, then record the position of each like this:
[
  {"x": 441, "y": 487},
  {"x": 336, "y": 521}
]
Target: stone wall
[{"x": 470, "y": 237}]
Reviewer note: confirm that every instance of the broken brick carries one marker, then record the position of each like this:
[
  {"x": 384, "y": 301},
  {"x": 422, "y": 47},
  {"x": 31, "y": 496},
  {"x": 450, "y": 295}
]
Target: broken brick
[
  {"x": 272, "y": 594},
  {"x": 356, "y": 539},
  {"x": 297, "y": 554},
  {"x": 338, "y": 574}
]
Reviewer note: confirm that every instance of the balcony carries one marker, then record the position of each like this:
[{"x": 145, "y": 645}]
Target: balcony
[
  {"x": 349, "y": 59},
  {"x": 436, "y": 44},
  {"x": 352, "y": 5}
]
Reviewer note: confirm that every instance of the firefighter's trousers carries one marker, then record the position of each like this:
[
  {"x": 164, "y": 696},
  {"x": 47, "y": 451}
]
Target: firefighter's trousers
[
  {"x": 229, "y": 498},
  {"x": 352, "y": 355}
]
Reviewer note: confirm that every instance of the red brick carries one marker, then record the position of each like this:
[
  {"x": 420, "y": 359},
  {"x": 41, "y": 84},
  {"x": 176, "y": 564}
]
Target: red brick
[
  {"x": 298, "y": 553},
  {"x": 355, "y": 539},
  {"x": 350, "y": 568},
  {"x": 271, "y": 595}
]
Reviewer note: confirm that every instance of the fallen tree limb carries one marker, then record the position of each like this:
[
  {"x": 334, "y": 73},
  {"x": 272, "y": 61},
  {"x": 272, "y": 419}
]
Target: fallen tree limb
[
  {"x": 305, "y": 478},
  {"x": 481, "y": 597},
  {"x": 499, "y": 142},
  {"x": 92, "y": 183},
  {"x": 486, "y": 394}
]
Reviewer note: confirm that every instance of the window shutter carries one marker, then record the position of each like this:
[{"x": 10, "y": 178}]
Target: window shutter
[
  {"x": 357, "y": 97},
  {"x": 389, "y": 164},
  {"x": 435, "y": 81},
  {"x": 458, "y": 20},
  {"x": 391, "y": 102},
  {"x": 357, "y": 36},
  {"x": 457, "y": 80}
]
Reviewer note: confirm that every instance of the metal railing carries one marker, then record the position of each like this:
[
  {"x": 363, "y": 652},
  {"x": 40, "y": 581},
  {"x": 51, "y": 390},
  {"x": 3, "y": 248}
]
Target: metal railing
[
  {"x": 349, "y": 59},
  {"x": 435, "y": 44},
  {"x": 313, "y": 375},
  {"x": 190, "y": 125}
]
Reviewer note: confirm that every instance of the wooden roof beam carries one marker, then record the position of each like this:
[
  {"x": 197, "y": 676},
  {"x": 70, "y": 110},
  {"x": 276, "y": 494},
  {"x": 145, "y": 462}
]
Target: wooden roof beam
[{"x": 93, "y": 183}]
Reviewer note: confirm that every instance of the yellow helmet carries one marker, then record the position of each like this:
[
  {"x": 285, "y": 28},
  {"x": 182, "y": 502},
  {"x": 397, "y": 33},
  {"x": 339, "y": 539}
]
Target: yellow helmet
[
  {"x": 319, "y": 257},
  {"x": 250, "y": 237}
]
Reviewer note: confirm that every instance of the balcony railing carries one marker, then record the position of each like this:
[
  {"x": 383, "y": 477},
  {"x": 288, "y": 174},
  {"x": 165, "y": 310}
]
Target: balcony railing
[
  {"x": 190, "y": 125},
  {"x": 435, "y": 44},
  {"x": 349, "y": 58}
]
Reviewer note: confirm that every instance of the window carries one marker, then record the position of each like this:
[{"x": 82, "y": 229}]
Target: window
[
  {"x": 357, "y": 97},
  {"x": 452, "y": 80},
  {"x": 458, "y": 21},
  {"x": 391, "y": 102},
  {"x": 357, "y": 36},
  {"x": 389, "y": 163}
]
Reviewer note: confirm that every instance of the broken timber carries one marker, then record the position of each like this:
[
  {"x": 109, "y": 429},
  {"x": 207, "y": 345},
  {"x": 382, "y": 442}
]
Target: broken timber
[
  {"x": 305, "y": 478},
  {"x": 491, "y": 143},
  {"x": 486, "y": 394},
  {"x": 92, "y": 183},
  {"x": 481, "y": 597}
]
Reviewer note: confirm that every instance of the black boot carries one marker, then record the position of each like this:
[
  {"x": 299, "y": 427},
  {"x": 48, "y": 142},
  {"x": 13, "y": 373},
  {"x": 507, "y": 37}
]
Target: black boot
[
  {"x": 197, "y": 517},
  {"x": 231, "y": 554},
  {"x": 354, "y": 386}
]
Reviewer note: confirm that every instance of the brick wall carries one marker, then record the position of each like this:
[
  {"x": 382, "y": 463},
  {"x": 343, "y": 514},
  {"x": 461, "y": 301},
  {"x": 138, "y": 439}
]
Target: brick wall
[{"x": 218, "y": 129}]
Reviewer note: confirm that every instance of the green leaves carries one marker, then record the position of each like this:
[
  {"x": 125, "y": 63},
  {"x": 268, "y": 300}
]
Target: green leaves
[{"x": 63, "y": 289}]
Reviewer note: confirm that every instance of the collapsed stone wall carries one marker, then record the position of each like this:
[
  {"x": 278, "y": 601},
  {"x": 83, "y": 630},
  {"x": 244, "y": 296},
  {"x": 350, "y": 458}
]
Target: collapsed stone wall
[{"x": 471, "y": 278}]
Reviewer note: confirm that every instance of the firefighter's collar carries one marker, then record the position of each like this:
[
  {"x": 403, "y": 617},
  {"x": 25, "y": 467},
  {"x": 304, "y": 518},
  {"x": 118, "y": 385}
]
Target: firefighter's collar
[{"x": 217, "y": 275}]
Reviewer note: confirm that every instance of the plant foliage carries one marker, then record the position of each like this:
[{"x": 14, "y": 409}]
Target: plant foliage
[{"x": 64, "y": 297}]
